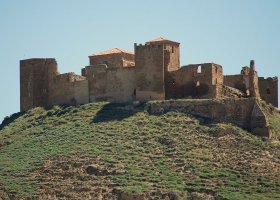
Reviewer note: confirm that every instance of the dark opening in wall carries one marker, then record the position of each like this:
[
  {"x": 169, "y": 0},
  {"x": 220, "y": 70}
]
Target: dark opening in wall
[
  {"x": 267, "y": 91},
  {"x": 172, "y": 49}
]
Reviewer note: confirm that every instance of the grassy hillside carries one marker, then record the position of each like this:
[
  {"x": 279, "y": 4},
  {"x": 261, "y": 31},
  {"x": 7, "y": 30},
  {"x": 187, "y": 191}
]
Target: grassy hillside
[{"x": 106, "y": 151}]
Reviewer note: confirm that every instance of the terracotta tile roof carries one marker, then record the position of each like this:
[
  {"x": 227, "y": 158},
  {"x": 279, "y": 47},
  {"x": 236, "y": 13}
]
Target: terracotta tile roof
[
  {"x": 112, "y": 51},
  {"x": 161, "y": 40}
]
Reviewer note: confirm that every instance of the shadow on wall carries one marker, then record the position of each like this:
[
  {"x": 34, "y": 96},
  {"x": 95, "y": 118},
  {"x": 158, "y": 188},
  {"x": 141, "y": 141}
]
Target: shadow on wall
[
  {"x": 10, "y": 119},
  {"x": 116, "y": 112}
]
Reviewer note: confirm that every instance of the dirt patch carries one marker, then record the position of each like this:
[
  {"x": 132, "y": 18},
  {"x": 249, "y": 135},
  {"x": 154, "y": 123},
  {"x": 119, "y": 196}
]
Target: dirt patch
[{"x": 74, "y": 177}]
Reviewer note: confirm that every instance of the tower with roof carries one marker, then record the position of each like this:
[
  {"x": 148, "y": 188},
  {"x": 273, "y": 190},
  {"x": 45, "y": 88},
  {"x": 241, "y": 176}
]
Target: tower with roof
[{"x": 113, "y": 58}]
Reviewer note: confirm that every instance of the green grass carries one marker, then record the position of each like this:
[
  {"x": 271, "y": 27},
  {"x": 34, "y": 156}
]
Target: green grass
[
  {"x": 172, "y": 152},
  {"x": 274, "y": 121}
]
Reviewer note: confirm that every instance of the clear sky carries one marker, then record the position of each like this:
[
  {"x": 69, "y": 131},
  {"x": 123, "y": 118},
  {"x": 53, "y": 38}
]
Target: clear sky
[{"x": 230, "y": 33}]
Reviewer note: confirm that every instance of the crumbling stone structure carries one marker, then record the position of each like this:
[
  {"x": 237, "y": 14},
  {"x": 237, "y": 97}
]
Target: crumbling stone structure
[{"x": 152, "y": 72}]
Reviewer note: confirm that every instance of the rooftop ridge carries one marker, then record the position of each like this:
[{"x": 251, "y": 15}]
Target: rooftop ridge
[
  {"x": 112, "y": 51},
  {"x": 160, "y": 40}
]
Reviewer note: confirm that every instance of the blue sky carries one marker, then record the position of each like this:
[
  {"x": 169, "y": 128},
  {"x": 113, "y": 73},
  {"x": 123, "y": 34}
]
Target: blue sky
[{"x": 226, "y": 32}]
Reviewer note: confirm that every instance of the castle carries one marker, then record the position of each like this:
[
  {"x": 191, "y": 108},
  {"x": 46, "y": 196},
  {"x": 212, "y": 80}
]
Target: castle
[{"x": 152, "y": 72}]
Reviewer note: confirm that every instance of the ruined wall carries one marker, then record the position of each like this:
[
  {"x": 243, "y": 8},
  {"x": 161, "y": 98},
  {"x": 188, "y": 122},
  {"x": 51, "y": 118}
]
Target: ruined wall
[
  {"x": 245, "y": 113},
  {"x": 114, "y": 85},
  {"x": 35, "y": 80},
  {"x": 269, "y": 90},
  {"x": 69, "y": 89},
  {"x": 253, "y": 81},
  {"x": 128, "y": 60},
  {"x": 240, "y": 82},
  {"x": 224, "y": 91},
  {"x": 217, "y": 74},
  {"x": 194, "y": 81},
  {"x": 113, "y": 60},
  {"x": 246, "y": 81},
  {"x": 149, "y": 67}
]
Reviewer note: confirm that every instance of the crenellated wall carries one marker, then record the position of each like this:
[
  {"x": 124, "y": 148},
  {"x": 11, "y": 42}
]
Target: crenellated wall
[{"x": 152, "y": 72}]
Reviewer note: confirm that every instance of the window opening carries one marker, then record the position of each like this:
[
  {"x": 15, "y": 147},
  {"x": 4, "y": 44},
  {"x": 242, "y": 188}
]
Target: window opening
[{"x": 199, "y": 69}]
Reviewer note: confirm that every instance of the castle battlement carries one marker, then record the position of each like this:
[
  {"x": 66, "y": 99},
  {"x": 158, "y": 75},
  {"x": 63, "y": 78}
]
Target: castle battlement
[
  {"x": 152, "y": 72},
  {"x": 148, "y": 46}
]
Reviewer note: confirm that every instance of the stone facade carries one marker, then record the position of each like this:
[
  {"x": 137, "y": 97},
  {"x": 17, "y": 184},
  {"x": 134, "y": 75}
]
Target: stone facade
[{"x": 152, "y": 72}]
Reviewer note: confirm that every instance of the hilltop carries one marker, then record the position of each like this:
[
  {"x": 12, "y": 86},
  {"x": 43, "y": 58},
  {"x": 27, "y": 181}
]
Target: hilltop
[{"x": 110, "y": 151}]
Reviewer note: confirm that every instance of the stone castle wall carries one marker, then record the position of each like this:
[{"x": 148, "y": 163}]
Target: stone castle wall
[
  {"x": 194, "y": 81},
  {"x": 153, "y": 72},
  {"x": 171, "y": 57},
  {"x": 69, "y": 89},
  {"x": 245, "y": 113},
  {"x": 113, "y": 60},
  {"x": 269, "y": 90}
]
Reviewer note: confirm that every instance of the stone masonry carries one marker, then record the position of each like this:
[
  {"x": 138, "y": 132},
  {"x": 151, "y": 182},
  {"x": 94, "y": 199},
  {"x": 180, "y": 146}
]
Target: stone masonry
[{"x": 152, "y": 72}]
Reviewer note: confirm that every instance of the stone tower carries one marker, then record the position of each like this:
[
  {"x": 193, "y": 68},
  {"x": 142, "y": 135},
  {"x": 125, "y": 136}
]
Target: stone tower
[
  {"x": 171, "y": 53},
  {"x": 35, "y": 80},
  {"x": 152, "y": 61}
]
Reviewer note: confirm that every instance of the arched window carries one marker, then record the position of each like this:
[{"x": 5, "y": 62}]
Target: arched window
[{"x": 199, "y": 69}]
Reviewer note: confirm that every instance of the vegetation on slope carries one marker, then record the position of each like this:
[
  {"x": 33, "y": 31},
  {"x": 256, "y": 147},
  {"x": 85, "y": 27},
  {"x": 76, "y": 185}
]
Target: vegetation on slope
[{"x": 105, "y": 150}]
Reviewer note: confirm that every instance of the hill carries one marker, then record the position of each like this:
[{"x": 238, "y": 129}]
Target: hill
[{"x": 108, "y": 151}]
